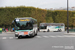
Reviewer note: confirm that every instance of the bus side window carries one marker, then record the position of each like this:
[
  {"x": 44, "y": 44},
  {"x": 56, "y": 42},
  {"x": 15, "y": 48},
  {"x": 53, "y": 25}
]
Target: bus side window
[{"x": 62, "y": 25}]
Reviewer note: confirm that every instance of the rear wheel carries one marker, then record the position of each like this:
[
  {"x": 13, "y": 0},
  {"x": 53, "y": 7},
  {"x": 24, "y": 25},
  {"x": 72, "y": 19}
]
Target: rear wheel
[
  {"x": 48, "y": 30},
  {"x": 59, "y": 30}
]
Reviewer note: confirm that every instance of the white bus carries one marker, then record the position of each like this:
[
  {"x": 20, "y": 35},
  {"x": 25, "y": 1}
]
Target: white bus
[
  {"x": 52, "y": 27},
  {"x": 25, "y": 27}
]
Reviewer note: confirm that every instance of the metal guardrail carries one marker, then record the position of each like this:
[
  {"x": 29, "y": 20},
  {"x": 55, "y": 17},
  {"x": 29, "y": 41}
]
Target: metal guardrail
[{"x": 72, "y": 30}]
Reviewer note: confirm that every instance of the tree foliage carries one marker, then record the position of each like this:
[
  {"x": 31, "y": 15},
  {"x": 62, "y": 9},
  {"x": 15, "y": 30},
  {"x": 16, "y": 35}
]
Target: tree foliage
[{"x": 8, "y": 14}]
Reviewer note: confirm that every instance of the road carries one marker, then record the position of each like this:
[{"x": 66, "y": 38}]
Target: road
[{"x": 43, "y": 41}]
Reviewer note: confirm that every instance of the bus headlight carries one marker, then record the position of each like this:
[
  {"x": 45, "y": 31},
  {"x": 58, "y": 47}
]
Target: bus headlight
[{"x": 16, "y": 32}]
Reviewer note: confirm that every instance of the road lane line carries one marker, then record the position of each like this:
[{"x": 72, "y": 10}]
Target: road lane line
[
  {"x": 38, "y": 36},
  {"x": 69, "y": 36},
  {"x": 52, "y": 36},
  {"x": 46, "y": 36},
  {"x": 16, "y": 37},
  {"x": 66, "y": 36},
  {"x": 72, "y": 36},
  {"x": 4, "y": 38},
  {"x": 10, "y": 37},
  {"x": 59, "y": 36}
]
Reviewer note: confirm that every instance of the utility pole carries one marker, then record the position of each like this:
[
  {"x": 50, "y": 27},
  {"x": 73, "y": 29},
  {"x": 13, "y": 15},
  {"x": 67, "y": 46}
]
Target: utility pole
[{"x": 67, "y": 18}]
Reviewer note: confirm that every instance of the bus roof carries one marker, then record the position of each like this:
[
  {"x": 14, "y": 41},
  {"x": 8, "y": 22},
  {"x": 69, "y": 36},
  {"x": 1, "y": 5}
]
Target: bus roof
[
  {"x": 27, "y": 18},
  {"x": 52, "y": 24}
]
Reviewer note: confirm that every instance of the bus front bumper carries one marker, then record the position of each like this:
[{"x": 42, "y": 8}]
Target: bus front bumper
[
  {"x": 17, "y": 34},
  {"x": 43, "y": 30}
]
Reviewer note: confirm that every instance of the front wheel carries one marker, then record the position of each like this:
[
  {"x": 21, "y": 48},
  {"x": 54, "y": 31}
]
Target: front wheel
[
  {"x": 16, "y": 35},
  {"x": 19, "y": 37},
  {"x": 32, "y": 35},
  {"x": 36, "y": 32}
]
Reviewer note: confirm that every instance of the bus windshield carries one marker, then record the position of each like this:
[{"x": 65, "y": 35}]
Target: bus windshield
[
  {"x": 24, "y": 25},
  {"x": 43, "y": 27}
]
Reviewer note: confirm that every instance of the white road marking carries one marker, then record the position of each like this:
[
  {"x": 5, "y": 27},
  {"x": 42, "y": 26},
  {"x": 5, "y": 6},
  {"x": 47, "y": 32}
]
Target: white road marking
[
  {"x": 16, "y": 37},
  {"x": 52, "y": 36},
  {"x": 69, "y": 36},
  {"x": 57, "y": 36},
  {"x": 46, "y": 36},
  {"x": 38, "y": 36},
  {"x": 72, "y": 36},
  {"x": 4, "y": 37},
  {"x": 10, "y": 37}
]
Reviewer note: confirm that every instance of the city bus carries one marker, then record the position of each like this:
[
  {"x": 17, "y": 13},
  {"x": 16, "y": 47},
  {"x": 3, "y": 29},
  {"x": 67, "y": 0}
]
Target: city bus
[
  {"x": 25, "y": 27},
  {"x": 47, "y": 27}
]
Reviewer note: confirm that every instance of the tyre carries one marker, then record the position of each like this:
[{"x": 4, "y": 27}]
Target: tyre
[
  {"x": 48, "y": 30},
  {"x": 16, "y": 35},
  {"x": 59, "y": 30},
  {"x": 36, "y": 32},
  {"x": 19, "y": 37},
  {"x": 32, "y": 35}
]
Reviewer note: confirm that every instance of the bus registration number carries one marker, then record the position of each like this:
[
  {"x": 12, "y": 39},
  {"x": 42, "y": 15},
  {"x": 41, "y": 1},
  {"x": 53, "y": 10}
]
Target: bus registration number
[{"x": 23, "y": 33}]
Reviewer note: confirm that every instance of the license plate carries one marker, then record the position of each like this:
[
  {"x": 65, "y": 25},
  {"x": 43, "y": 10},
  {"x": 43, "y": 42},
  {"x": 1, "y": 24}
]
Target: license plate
[{"x": 25, "y": 33}]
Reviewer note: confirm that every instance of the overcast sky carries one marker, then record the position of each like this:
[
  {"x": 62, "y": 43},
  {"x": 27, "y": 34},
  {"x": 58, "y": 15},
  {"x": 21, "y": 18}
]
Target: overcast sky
[{"x": 38, "y": 3}]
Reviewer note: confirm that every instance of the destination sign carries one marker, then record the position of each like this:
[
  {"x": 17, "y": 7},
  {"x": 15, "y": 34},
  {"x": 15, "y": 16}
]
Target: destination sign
[{"x": 24, "y": 20}]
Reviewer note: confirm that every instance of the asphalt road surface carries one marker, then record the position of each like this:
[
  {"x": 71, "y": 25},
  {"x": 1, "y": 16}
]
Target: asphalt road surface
[{"x": 43, "y": 41}]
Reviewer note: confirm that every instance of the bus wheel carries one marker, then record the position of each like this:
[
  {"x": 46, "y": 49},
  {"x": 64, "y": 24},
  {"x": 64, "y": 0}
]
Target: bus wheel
[
  {"x": 48, "y": 30},
  {"x": 32, "y": 35},
  {"x": 60, "y": 30},
  {"x": 19, "y": 37},
  {"x": 36, "y": 33}
]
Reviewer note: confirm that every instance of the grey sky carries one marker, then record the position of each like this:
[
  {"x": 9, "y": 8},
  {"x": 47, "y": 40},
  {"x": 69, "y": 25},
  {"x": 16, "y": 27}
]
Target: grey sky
[{"x": 38, "y": 3}]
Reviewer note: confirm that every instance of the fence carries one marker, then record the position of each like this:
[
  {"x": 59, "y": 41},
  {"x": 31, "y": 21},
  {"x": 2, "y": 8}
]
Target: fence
[{"x": 72, "y": 30}]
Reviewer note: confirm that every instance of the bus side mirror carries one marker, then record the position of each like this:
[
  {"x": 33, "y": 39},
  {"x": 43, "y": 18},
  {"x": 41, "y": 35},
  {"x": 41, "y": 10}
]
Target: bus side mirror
[{"x": 13, "y": 23}]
